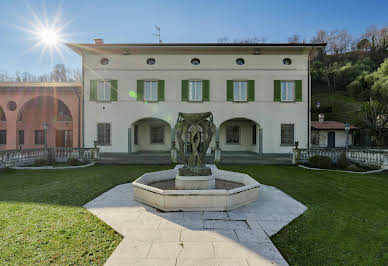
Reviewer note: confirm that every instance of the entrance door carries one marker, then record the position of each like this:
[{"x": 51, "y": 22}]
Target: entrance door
[
  {"x": 64, "y": 138},
  {"x": 331, "y": 140}
]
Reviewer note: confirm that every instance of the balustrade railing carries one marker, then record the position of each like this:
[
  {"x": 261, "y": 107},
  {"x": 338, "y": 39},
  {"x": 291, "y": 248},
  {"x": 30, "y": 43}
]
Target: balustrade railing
[
  {"x": 11, "y": 157},
  {"x": 366, "y": 157}
]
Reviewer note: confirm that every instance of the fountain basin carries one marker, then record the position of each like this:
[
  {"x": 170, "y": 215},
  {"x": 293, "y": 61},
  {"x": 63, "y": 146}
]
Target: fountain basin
[
  {"x": 195, "y": 182},
  {"x": 232, "y": 190}
]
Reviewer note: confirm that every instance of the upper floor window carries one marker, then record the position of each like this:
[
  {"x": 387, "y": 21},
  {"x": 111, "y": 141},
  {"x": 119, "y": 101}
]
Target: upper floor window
[
  {"x": 63, "y": 112},
  {"x": 240, "y": 61},
  {"x": 103, "y": 90},
  {"x": 287, "y": 61},
  {"x": 103, "y": 134},
  {"x": 150, "y": 90},
  {"x": 240, "y": 90},
  {"x": 287, "y": 134},
  {"x": 195, "y": 61},
  {"x": 195, "y": 90},
  {"x": 287, "y": 91},
  {"x": 151, "y": 61},
  {"x": 104, "y": 61}
]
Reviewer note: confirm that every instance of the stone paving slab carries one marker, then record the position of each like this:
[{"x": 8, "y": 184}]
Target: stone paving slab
[{"x": 236, "y": 237}]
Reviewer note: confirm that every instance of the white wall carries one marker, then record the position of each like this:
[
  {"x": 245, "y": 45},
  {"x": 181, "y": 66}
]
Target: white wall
[
  {"x": 340, "y": 138},
  {"x": 264, "y": 69},
  {"x": 144, "y": 136}
]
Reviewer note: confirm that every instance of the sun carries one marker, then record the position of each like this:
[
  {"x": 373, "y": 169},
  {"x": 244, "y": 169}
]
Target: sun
[{"x": 49, "y": 37}]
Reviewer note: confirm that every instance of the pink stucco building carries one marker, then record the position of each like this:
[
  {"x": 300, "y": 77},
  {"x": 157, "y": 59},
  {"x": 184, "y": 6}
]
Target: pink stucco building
[{"x": 33, "y": 114}]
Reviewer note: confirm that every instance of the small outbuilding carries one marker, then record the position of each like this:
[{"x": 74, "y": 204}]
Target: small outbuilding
[{"x": 331, "y": 134}]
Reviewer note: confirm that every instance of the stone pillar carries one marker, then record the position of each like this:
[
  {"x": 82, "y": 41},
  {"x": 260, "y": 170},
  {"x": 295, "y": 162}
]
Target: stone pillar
[
  {"x": 129, "y": 140},
  {"x": 217, "y": 152},
  {"x": 11, "y": 129},
  {"x": 259, "y": 140}
]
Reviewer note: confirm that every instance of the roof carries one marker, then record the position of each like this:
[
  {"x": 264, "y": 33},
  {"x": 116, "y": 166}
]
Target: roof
[
  {"x": 138, "y": 48},
  {"x": 25, "y": 85},
  {"x": 327, "y": 125}
]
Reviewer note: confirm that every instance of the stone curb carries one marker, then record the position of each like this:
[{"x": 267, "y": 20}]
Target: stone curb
[
  {"x": 343, "y": 171},
  {"x": 51, "y": 167}
]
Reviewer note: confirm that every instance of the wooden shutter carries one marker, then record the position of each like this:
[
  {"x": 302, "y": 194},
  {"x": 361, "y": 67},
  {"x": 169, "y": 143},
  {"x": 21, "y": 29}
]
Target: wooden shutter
[
  {"x": 276, "y": 91},
  {"x": 185, "y": 90},
  {"x": 229, "y": 90},
  {"x": 93, "y": 90},
  {"x": 205, "y": 90},
  {"x": 251, "y": 90},
  {"x": 113, "y": 90},
  {"x": 140, "y": 90},
  {"x": 160, "y": 90},
  {"x": 298, "y": 90}
]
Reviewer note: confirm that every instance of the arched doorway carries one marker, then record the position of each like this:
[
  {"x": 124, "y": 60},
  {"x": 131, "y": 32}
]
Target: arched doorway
[
  {"x": 240, "y": 135},
  {"x": 44, "y": 121},
  {"x": 150, "y": 135},
  {"x": 3, "y": 128}
]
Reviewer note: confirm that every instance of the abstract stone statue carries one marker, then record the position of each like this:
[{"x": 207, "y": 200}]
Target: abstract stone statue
[{"x": 200, "y": 128}]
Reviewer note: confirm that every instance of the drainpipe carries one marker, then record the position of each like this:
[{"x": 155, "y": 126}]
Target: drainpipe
[
  {"x": 308, "y": 98},
  {"x": 83, "y": 101}
]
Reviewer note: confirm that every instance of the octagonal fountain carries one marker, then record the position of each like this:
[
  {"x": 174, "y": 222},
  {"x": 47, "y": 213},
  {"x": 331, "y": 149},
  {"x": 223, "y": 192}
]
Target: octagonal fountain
[{"x": 194, "y": 186}]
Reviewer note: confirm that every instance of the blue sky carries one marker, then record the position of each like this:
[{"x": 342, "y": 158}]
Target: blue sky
[{"x": 180, "y": 21}]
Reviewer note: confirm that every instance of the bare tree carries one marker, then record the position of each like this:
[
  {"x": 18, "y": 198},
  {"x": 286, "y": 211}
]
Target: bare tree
[
  {"x": 244, "y": 40},
  {"x": 296, "y": 38}
]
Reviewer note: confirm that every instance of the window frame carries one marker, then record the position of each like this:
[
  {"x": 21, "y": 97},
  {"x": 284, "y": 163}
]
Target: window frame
[
  {"x": 110, "y": 134},
  {"x": 105, "y": 81},
  {"x": 42, "y": 138},
  {"x": 285, "y": 137},
  {"x": 3, "y": 131},
  {"x": 287, "y": 92},
  {"x": 239, "y": 135},
  {"x": 239, "y": 90},
  {"x": 151, "y": 81},
  {"x": 194, "y": 81},
  {"x": 19, "y": 137},
  {"x": 151, "y": 140}
]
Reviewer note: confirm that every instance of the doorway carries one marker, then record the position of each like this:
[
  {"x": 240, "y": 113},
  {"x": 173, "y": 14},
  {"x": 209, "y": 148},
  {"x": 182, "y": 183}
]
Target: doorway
[{"x": 331, "y": 140}]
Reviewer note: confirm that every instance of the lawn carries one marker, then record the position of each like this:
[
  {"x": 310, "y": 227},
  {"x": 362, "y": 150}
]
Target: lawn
[{"x": 42, "y": 220}]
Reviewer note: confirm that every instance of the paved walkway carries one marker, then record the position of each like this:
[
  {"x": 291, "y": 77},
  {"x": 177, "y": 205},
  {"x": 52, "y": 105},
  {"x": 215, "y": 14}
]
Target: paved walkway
[{"x": 237, "y": 237}]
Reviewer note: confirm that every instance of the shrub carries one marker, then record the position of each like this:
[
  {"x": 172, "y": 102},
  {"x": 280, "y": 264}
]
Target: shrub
[
  {"x": 40, "y": 162},
  {"x": 342, "y": 161},
  {"x": 73, "y": 162},
  {"x": 318, "y": 161}
]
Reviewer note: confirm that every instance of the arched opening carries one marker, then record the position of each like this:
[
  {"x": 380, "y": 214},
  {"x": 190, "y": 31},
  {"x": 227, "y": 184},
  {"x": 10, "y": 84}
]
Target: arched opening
[
  {"x": 2, "y": 115},
  {"x": 33, "y": 117},
  {"x": 150, "y": 135},
  {"x": 240, "y": 135}
]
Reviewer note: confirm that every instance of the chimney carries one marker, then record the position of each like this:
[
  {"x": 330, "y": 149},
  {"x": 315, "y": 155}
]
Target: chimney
[
  {"x": 99, "y": 41},
  {"x": 321, "y": 117}
]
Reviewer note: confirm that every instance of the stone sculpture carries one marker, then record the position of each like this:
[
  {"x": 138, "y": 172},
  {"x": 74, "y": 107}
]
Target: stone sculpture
[{"x": 200, "y": 129}]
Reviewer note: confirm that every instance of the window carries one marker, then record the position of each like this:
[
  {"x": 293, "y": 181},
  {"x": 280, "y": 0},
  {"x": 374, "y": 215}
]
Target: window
[
  {"x": 3, "y": 137},
  {"x": 103, "y": 134},
  {"x": 240, "y": 61},
  {"x": 20, "y": 137},
  {"x": 136, "y": 134},
  {"x": 287, "y": 91},
  {"x": 63, "y": 112},
  {"x": 240, "y": 90},
  {"x": 287, "y": 61},
  {"x": 195, "y": 61},
  {"x": 254, "y": 134},
  {"x": 40, "y": 137},
  {"x": 233, "y": 135},
  {"x": 195, "y": 90},
  {"x": 287, "y": 134},
  {"x": 150, "y": 90},
  {"x": 151, "y": 61},
  {"x": 157, "y": 135},
  {"x": 103, "y": 90},
  {"x": 104, "y": 61}
]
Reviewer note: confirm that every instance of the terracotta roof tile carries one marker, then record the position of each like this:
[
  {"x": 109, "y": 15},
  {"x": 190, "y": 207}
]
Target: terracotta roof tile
[{"x": 329, "y": 125}]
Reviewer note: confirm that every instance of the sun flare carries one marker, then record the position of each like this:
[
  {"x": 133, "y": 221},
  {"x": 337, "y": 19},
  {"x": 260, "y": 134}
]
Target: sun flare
[{"x": 49, "y": 37}]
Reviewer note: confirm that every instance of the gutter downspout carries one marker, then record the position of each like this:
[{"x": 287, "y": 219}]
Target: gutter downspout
[
  {"x": 83, "y": 101},
  {"x": 308, "y": 98}
]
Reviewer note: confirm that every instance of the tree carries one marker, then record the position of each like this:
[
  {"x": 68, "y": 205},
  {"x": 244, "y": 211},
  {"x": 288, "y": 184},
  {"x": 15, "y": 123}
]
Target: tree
[
  {"x": 296, "y": 38},
  {"x": 374, "y": 118}
]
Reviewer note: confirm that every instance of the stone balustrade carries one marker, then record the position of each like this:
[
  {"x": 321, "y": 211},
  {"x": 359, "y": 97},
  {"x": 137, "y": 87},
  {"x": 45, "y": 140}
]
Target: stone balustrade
[
  {"x": 365, "y": 157},
  {"x": 15, "y": 157}
]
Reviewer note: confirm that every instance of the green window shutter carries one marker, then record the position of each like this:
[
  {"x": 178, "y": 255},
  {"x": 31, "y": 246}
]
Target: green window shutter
[
  {"x": 185, "y": 90},
  {"x": 113, "y": 90},
  {"x": 93, "y": 90},
  {"x": 140, "y": 90},
  {"x": 205, "y": 90},
  {"x": 276, "y": 91},
  {"x": 160, "y": 90},
  {"x": 298, "y": 90},
  {"x": 229, "y": 90},
  {"x": 251, "y": 90}
]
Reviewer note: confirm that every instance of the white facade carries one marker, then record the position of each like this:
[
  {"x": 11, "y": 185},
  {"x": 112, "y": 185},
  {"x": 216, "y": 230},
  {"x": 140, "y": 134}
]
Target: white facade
[
  {"x": 340, "y": 138},
  {"x": 216, "y": 65}
]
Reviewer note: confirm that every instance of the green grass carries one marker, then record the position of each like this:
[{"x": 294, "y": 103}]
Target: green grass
[
  {"x": 347, "y": 218},
  {"x": 42, "y": 220}
]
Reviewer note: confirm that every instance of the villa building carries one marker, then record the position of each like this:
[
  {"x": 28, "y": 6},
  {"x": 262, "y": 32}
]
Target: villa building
[
  {"x": 259, "y": 94},
  {"x": 35, "y": 115}
]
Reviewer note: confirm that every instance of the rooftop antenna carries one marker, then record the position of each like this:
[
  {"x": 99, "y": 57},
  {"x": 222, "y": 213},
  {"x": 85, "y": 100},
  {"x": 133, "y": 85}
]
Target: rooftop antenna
[{"x": 157, "y": 34}]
